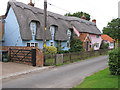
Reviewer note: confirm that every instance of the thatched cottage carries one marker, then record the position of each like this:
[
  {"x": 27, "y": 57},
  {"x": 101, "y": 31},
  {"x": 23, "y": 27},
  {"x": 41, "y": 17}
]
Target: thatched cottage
[{"x": 24, "y": 27}]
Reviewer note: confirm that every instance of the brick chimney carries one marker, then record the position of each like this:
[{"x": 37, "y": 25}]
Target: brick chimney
[
  {"x": 31, "y": 4},
  {"x": 94, "y": 20},
  {"x": 83, "y": 17}
]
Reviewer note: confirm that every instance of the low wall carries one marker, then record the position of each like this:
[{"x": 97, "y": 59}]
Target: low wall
[{"x": 39, "y": 54}]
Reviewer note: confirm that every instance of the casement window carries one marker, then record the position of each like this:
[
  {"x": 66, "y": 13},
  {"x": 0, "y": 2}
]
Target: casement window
[
  {"x": 97, "y": 45},
  {"x": 97, "y": 36},
  {"x": 51, "y": 44},
  {"x": 69, "y": 33},
  {"x": 111, "y": 44},
  {"x": 32, "y": 44},
  {"x": 52, "y": 30},
  {"x": 33, "y": 27}
]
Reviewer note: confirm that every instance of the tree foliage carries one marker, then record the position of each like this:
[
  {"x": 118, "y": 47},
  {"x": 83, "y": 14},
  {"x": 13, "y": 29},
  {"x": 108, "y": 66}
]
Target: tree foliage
[
  {"x": 51, "y": 50},
  {"x": 113, "y": 29},
  {"x": 114, "y": 61},
  {"x": 104, "y": 45},
  {"x": 79, "y": 15},
  {"x": 76, "y": 45}
]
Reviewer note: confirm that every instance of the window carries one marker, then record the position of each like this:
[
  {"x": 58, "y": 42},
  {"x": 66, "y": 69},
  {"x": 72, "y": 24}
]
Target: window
[
  {"x": 97, "y": 45},
  {"x": 111, "y": 44},
  {"x": 32, "y": 44},
  {"x": 97, "y": 36},
  {"x": 51, "y": 44},
  {"x": 33, "y": 27},
  {"x": 69, "y": 33},
  {"x": 52, "y": 30}
]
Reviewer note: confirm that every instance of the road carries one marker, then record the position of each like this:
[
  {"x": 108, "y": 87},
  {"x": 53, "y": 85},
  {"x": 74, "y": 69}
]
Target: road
[{"x": 65, "y": 76}]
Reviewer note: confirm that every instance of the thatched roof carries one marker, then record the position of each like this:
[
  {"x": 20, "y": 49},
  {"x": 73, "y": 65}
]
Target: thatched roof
[{"x": 25, "y": 14}]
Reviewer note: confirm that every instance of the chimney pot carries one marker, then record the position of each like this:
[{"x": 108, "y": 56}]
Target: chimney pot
[
  {"x": 31, "y": 4},
  {"x": 83, "y": 17},
  {"x": 94, "y": 20}
]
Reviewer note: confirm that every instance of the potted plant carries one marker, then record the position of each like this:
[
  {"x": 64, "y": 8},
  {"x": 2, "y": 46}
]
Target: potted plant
[{"x": 5, "y": 58}]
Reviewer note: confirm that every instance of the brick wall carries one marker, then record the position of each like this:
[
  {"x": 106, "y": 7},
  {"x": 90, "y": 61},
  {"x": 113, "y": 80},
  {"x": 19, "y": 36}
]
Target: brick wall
[{"x": 39, "y": 54}]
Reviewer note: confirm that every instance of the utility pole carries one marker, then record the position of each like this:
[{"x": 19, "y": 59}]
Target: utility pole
[{"x": 45, "y": 25}]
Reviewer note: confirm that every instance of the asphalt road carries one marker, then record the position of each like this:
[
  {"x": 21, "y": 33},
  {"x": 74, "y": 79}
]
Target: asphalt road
[{"x": 65, "y": 76}]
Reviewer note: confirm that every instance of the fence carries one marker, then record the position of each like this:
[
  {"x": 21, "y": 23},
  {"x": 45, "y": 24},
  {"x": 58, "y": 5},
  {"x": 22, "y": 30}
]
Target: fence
[{"x": 56, "y": 59}]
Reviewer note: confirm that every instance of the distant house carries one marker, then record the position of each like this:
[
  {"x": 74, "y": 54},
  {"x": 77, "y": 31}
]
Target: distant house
[
  {"x": 24, "y": 27},
  {"x": 108, "y": 39},
  {"x": 85, "y": 38},
  {"x": 90, "y": 41}
]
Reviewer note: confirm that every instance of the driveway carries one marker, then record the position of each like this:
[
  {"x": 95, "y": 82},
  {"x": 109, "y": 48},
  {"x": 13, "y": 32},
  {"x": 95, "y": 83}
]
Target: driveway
[{"x": 65, "y": 76}]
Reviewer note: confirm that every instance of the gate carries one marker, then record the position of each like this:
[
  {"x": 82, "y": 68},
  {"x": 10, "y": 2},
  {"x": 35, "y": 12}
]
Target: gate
[{"x": 23, "y": 56}]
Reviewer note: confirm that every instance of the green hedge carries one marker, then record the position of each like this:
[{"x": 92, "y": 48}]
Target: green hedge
[{"x": 114, "y": 61}]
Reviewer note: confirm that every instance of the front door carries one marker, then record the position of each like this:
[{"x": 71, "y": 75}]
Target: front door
[{"x": 87, "y": 45}]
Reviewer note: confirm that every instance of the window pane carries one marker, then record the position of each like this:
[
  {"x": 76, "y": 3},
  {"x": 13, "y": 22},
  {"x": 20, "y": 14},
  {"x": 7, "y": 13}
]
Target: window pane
[
  {"x": 36, "y": 44},
  {"x": 52, "y": 44},
  {"x": 32, "y": 27},
  {"x": 28, "y": 44}
]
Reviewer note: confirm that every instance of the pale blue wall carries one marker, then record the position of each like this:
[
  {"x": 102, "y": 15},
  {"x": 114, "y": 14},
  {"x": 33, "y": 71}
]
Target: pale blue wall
[{"x": 12, "y": 34}]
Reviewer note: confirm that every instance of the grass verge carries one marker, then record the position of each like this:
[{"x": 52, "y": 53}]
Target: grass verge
[{"x": 101, "y": 79}]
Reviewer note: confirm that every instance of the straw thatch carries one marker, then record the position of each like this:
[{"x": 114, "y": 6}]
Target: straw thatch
[{"x": 25, "y": 14}]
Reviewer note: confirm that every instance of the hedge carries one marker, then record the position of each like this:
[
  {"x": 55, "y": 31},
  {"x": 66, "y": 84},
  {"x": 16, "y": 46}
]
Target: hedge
[{"x": 114, "y": 61}]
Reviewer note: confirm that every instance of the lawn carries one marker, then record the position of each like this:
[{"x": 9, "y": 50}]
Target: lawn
[{"x": 101, "y": 79}]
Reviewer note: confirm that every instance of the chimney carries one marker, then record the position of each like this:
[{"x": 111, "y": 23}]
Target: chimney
[
  {"x": 94, "y": 20},
  {"x": 83, "y": 17},
  {"x": 31, "y": 4}
]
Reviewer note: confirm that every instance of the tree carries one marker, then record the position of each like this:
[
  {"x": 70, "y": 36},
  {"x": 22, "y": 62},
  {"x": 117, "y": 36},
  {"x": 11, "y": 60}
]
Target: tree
[
  {"x": 76, "y": 45},
  {"x": 104, "y": 45},
  {"x": 113, "y": 29},
  {"x": 79, "y": 15}
]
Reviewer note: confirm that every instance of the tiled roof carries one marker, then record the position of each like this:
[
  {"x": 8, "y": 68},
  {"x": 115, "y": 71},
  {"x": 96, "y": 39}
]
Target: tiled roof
[
  {"x": 106, "y": 37},
  {"x": 82, "y": 36}
]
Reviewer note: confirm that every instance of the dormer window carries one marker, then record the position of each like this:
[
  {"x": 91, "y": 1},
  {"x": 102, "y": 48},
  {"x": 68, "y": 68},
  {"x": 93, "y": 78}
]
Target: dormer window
[
  {"x": 69, "y": 33},
  {"x": 33, "y": 27},
  {"x": 52, "y": 30}
]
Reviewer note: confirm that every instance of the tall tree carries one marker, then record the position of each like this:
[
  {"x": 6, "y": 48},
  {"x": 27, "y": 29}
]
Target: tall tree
[
  {"x": 79, "y": 14},
  {"x": 113, "y": 29}
]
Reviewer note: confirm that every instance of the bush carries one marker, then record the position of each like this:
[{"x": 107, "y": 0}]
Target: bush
[
  {"x": 104, "y": 45},
  {"x": 76, "y": 45},
  {"x": 51, "y": 50},
  {"x": 114, "y": 62},
  {"x": 62, "y": 52}
]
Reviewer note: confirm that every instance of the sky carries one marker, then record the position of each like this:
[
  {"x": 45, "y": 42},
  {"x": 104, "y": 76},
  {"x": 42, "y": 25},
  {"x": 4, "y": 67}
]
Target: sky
[{"x": 101, "y": 10}]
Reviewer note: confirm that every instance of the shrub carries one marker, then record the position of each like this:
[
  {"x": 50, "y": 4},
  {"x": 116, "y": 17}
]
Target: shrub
[
  {"x": 114, "y": 62},
  {"x": 51, "y": 50},
  {"x": 62, "y": 52},
  {"x": 76, "y": 45},
  {"x": 104, "y": 45}
]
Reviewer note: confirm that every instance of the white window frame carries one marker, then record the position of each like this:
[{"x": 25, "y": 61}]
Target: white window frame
[
  {"x": 68, "y": 33},
  {"x": 52, "y": 30},
  {"x": 111, "y": 44},
  {"x": 35, "y": 44},
  {"x": 51, "y": 43},
  {"x": 33, "y": 27}
]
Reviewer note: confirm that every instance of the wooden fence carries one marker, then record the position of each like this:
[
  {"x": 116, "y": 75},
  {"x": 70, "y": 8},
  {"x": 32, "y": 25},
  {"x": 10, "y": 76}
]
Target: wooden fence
[{"x": 56, "y": 59}]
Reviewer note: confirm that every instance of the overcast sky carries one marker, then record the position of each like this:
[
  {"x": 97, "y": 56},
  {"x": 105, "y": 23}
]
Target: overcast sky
[{"x": 101, "y": 10}]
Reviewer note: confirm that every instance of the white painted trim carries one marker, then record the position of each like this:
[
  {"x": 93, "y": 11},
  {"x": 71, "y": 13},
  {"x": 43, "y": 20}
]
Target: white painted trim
[{"x": 88, "y": 37}]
